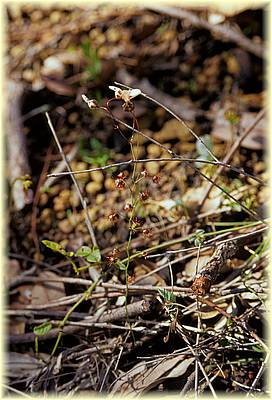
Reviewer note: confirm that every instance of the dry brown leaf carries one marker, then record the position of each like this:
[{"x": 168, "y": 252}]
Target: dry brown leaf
[
  {"x": 180, "y": 368},
  {"x": 19, "y": 365},
  {"x": 190, "y": 267},
  {"x": 48, "y": 291},
  {"x": 59, "y": 87},
  {"x": 222, "y": 130},
  {"x": 194, "y": 196},
  {"x": 141, "y": 379}
]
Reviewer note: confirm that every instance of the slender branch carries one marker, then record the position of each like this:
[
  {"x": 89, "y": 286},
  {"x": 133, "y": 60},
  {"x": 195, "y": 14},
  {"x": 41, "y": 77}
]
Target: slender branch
[
  {"x": 163, "y": 159},
  {"x": 83, "y": 202}
]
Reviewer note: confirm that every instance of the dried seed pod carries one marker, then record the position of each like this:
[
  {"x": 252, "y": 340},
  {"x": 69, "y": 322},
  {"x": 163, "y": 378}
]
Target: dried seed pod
[
  {"x": 113, "y": 256},
  {"x": 147, "y": 232},
  {"x": 119, "y": 183},
  {"x": 156, "y": 179},
  {"x": 128, "y": 106},
  {"x": 144, "y": 173},
  {"x": 128, "y": 207},
  {"x": 113, "y": 217},
  {"x": 144, "y": 195}
]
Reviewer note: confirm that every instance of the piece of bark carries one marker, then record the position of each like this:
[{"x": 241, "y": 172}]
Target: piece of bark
[
  {"x": 16, "y": 146},
  {"x": 209, "y": 273}
]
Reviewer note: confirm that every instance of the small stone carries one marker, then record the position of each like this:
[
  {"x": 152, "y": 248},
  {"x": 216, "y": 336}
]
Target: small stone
[
  {"x": 186, "y": 147},
  {"x": 100, "y": 198},
  {"x": 93, "y": 187},
  {"x": 55, "y": 17},
  {"x": 74, "y": 199},
  {"x": 54, "y": 190},
  {"x": 103, "y": 224},
  {"x": 92, "y": 213},
  {"x": 60, "y": 214},
  {"x": 79, "y": 166},
  {"x": 65, "y": 194},
  {"x": 53, "y": 67},
  {"x": 65, "y": 226},
  {"x": 109, "y": 184},
  {"x": 28, "y": 75},
  {"x": 43, "y": 199},
  {"x": 97, "y": 176},
  {"x": 62, "y": 202},
  {"x": 152, "y": 168},
  {"x": 73, "y": 117},
  {"x": 58, "y": 204},
  {"x": 172, "y": 130},
  {"x": 153, "y": 150},
  {"x": 36, "y": 15}
]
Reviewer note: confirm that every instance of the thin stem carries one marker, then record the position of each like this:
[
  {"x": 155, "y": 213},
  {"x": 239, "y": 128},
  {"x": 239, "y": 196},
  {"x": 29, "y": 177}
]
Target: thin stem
[
  {"x": 231, "y": 152},
  {"x": 198, "y": 171},
  {"x": 163, "y": 159},
  {"x": 85, "y": 296},
  {"x": 83, "y": 202},
  {"x": 177, "y": 118},
  {"x": 212, "y": 182}
]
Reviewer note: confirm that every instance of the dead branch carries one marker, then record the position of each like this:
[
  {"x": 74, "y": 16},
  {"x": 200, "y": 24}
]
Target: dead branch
[
  {"x": 137, "y": 308},
  {"x": 224, "y": 30},
  {"x": 209, "y": 273},
  {"x": 16, "y": 146}
]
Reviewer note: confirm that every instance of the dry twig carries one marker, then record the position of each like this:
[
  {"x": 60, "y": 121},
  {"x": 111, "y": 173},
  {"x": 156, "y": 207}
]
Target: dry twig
[{"x": 224, "y": 30}]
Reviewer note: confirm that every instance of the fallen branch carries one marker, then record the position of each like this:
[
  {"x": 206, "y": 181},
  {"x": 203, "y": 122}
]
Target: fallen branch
[
  {"x": 224, "y": 30},
  {"x": 137, "y": 308},
  {"x": 16, "y": 147},
  {"x": 209, "y": 273}
]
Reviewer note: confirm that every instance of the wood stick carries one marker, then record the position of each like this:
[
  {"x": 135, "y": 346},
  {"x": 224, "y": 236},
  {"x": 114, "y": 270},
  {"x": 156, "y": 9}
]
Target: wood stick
[{"x": 16, "y": 147}]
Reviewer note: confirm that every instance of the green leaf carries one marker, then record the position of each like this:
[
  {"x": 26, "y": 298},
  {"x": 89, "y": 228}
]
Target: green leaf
[
  {"x": 167, "y": 295},
  {"x": 83, "y": 251},
  {"x": 96, "y": 145},
  {"x": 202, "y": 150},
  {"x": 197, "y": 238},
  {"x": 258, "y": 348},
  {"x": 121, "y": 265},
  {"x": 55, "y": 247},
  {"x": 42, "y": 329},
  {"x": 95, "y": 255}
]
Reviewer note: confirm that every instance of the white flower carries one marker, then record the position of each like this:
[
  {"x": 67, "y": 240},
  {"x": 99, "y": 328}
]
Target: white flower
[
  {"x": 91, "y": 103},
  {"x": 125, "y": 95}
]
